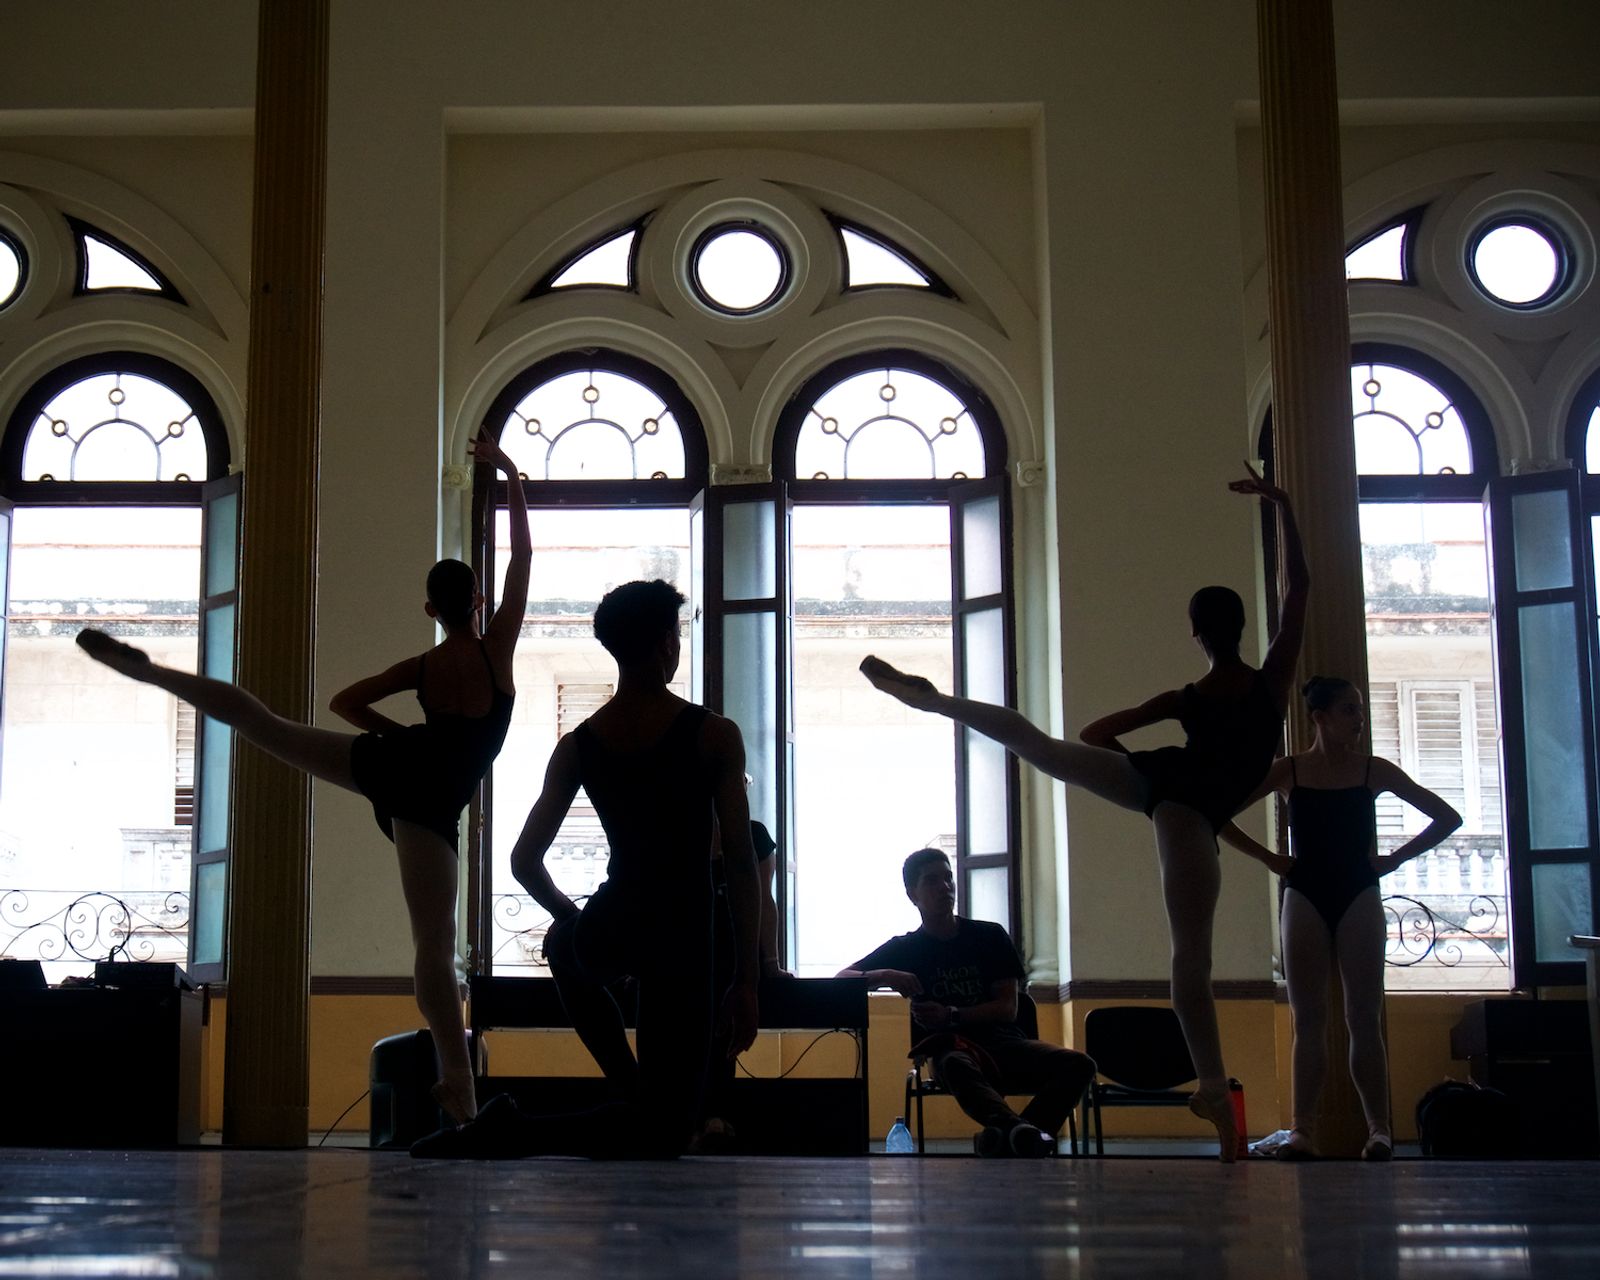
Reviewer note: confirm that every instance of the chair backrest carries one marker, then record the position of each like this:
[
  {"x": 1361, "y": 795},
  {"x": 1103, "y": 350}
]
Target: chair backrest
[{"x": 1138, "y": 1046}]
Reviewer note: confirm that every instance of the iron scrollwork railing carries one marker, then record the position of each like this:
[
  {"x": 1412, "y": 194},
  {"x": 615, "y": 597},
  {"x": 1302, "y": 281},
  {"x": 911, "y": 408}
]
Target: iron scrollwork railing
[
  {"x": 1420, "y": 932},
  {"x": 92, "y": 925}
]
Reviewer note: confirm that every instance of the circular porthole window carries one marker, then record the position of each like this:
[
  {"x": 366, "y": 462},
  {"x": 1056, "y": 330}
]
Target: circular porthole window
[
  {"x": 1519, "y": 262},
  {"x": 738, "y": 268},
  {"x": 13, "y": 269}
]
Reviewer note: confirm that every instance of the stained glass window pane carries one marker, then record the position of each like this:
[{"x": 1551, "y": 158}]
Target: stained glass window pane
[
  {"x": 1558, "y": 787},
  {"x": 115, "y": 426},
  {"x": 987, "y": 892},
  {"x": 605, "y": 264},
  {"x": 209, "y": 912},
  {"x": 1404, "y": 425},
  {"x": 868, "y": 263},
  {"x": 594, "y": 424},
  {"x": 1543, "y": 540},
  {"x": 110, "y": 268},
  {"x": 1380, "y": 258},
  {"x": 889, "y": 424}
]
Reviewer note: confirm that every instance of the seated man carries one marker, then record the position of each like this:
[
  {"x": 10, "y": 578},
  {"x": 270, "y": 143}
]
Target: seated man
[{"x": 961, "y": 976}]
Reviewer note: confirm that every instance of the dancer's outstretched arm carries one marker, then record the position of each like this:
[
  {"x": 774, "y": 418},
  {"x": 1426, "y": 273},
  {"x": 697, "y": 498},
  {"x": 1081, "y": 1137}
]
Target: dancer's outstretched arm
[
  {"x": 506, "y": 625},
  {"x": 1105, "y": 773},
  {"x": 539, "y": 831},
  {"x": 1283, "y": 653}
]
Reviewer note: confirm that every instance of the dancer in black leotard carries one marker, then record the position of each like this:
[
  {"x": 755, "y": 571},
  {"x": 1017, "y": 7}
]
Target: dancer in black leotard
[
  {"x": 655, "y": 768},
  {"x": 1234, "y": 716},
  {"x": 1332, "y": 913},
  {"x": 418, "y": 777}
]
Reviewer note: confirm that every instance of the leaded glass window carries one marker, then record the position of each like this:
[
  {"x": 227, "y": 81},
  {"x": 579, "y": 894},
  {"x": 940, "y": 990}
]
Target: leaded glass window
[
  {"x": 889, "y": 423},
  {"x": 1406, "y": 424},
  {"x": 115, "y": 426},
  {"x": 594, "y": 424}
]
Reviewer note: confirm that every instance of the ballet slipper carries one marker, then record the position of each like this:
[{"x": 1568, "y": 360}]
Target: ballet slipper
[
  {"x": 456, "y": 1096},
  {"x": 113, "y": 653},
  {"x": 1298, "y": 1146},
  {"x": 896, "y": 683},
  {"x": 1217, "y": 1110},
  {"x": 1379, "y": 1148}
]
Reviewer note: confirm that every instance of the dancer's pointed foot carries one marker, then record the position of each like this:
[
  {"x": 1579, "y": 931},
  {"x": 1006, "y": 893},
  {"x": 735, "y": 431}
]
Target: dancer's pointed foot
[
  {"x": 1380, "y": 1147},
  {"x": 914, "y": 691},
  {"x": 1298, "y": 1146},
  {"x": 116, "y": 655},
  {"x": 1217, "y": 1109},
  {"x": 456, "y": 1095}
]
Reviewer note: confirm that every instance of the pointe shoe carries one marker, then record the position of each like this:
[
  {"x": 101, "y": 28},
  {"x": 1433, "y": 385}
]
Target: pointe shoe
[
  {"x": 1379, "y": 1148},
  {"x": 1217, "y": 1109},
  {"x": 1297, "y": 1147},
  {"x": 103, "y": 648},
  {"x": 456, "y": 1098}
]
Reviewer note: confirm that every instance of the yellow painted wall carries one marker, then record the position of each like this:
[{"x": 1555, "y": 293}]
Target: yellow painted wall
[{"x": 1255, "y": 1034}]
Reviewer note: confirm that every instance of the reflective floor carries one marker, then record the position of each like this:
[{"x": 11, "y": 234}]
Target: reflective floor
[{"x": 350, "y": 1212}]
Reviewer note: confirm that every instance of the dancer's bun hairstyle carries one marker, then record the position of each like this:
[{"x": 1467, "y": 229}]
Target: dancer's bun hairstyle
[{"x": 1321, "y": 692}]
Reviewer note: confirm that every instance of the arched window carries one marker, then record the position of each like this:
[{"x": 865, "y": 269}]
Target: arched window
[
  {"x": 898, "y": 543},
  {"x": 105, "y": 465},
  {"x": 612, "y": 453}
]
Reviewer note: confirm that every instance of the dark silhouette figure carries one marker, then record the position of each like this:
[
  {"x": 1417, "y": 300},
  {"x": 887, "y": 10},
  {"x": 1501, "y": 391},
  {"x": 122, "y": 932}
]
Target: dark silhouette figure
[
  {"x": 657, "y": 769},
  {"x": 1332, "y": 909},
  {"x": 962, "y": 977},
  {"x": 419, "y": 777},
  {"x": 1233, "y": 718}
]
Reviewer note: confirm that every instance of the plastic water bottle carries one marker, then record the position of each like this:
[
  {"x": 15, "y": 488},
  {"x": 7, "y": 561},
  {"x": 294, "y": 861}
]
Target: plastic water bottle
[{"x": 899, "y": 1143}]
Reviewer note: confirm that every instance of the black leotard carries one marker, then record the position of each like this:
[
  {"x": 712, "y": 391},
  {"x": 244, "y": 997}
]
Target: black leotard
[
  {"x": 655, "y": 805},
  {"x": 1231, "y": 743},
  {"x": 1334, "y": 829},
  {"x": 426, "y": 773}
]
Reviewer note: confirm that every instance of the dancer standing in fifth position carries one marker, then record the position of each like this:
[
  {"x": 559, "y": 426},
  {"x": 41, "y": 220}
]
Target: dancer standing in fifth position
[
  {"x": 1233, "y": 717},
  {"x": 419, "y": 777}
]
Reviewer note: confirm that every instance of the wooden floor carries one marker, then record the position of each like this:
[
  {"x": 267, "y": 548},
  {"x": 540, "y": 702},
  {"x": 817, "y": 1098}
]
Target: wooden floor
[{"x": 354, "y": 1212}]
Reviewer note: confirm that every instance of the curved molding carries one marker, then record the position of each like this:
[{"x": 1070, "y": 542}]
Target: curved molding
[
  {"x": 124, "y": 324},
  {"x": 43, "y": 237},
  {"x": 1576, "y": 361},
  {"x": 563, "y": 322},
  {"x": 941, "y": 243},
  {"x": 933, "y": 325},
  {"x": 143, "y": 226}
]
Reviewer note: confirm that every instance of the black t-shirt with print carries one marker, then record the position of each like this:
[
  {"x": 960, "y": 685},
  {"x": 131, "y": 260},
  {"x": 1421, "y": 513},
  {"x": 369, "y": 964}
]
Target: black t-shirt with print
[{"x": 955, "y": 971}]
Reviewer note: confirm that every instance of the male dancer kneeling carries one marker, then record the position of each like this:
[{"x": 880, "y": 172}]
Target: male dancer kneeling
[{"x": 655, "y": 768}]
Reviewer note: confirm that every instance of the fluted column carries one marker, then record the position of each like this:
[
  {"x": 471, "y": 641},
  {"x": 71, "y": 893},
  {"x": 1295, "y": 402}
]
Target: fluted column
[
  {"x": 1313, "y": 445},
  {"x": 266, "y": 1094}
]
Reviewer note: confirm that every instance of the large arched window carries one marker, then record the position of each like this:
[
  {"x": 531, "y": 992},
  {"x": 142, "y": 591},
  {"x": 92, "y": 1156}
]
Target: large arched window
[
  {"x": 611, "y": 453},
  {"x": 113, "y": 801},
  {"x": 897, "y": 543}
]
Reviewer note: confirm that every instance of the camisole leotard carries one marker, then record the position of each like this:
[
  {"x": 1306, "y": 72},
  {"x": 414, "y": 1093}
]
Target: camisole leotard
[
  {"x": 426, "y": 773},
  {"x": 1231, "y": 744},
  {"x": 1333, "y": 829}
]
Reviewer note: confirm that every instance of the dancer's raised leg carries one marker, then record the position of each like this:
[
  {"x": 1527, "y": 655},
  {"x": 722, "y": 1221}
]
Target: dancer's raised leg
[
  {"x": 1307, "y": 962},
  {"x": 1360, "y": 955},
  {"x": 428, "y": 870},
  {"x": 1107, "y": 774},
  {"x": 322, "y": 753},
  {"x": 1190, "y": 882}
]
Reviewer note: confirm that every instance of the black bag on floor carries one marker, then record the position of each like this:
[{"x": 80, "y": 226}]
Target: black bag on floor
[{"x": 1458, "y": 1120}]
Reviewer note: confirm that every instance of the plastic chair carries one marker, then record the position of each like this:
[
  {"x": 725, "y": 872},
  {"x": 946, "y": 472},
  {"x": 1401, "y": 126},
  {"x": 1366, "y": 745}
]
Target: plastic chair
[
  {"x": 1141, "y": 1057},
  {"x": 921, "y": 1082}
]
